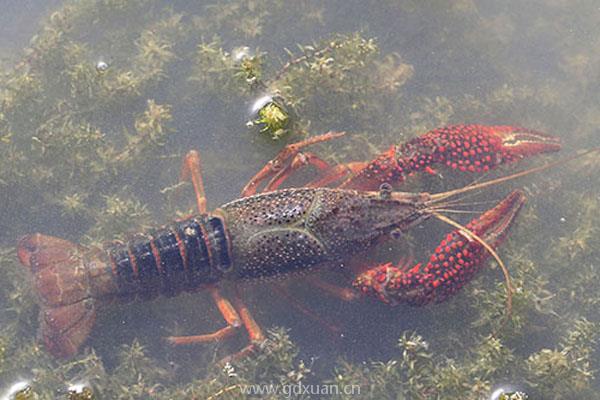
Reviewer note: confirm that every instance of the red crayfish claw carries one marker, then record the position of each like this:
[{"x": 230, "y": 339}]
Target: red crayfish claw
[{"x": 473, "y": 148}]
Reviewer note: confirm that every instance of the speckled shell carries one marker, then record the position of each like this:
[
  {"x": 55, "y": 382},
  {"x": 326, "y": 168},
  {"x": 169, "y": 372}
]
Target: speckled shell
[{"x": 295, "y": 230}]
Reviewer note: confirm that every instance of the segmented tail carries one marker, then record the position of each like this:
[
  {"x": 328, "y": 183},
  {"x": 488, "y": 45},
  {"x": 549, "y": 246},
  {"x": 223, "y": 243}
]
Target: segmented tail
[{"x": 61, "y": 280}]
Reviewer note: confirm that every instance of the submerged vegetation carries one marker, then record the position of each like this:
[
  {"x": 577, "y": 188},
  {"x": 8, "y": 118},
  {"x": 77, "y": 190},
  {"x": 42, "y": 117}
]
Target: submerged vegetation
[{"x": 109, "y": 95}]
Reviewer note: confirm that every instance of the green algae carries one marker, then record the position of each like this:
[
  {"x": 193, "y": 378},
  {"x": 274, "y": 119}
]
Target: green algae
[
  {"x": 273, "y": 119},
  {"x": 80, "y": 140}
]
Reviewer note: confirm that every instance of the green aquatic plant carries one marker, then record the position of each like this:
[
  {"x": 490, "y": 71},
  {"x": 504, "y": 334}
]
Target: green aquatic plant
[
  {"x": 420, "y": 374},
  {"x": 272, "y": 119},
  {"x": 334, "y": 68},
  {"x": 137, "y": 375},
  {"x": 2, "y": 352},
  {"x": 120, "y": 216},
  {"x": 98, "y": 110},
  {"x": 563, "y": 372},
  {"x": 150, "y": 133},
  {"x": 513, "y": 396},
  {"x": 26, "y": 394},
  {"x": 249, "y": 66},
  {"x": 84, "y": 394},
  {"x": 531, "y": 297},
  {"x": 214, "y": 68}
]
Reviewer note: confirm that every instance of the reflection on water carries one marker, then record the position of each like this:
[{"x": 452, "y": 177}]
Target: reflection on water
[
  {"x": 100, "y": 101},
  {"x": 15, "y": 388}
]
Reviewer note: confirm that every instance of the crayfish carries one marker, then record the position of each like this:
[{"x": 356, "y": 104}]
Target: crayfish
[{"x": 282, "y": 232}]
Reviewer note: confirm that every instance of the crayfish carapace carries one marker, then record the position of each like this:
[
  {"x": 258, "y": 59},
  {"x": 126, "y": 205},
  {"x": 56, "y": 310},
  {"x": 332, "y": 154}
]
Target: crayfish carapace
[{"x": 278, "y": 232}]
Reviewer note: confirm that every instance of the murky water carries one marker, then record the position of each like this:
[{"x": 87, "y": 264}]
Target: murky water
[{"x": 101, "y": 100}]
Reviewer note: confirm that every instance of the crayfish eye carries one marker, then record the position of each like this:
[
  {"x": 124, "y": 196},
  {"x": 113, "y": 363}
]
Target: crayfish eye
[
  {"x": 385, "y": 191},
  {"x": 396, "y": 233}
]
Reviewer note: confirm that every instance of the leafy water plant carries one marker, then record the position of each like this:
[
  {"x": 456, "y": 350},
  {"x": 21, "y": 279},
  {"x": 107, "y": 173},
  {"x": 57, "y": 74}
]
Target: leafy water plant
[
  {"x": 561, "y": 373},
  {"x": 272, "y": 118},
  {"x": 26, "y": 394},
  {"x": 513, "y": 396},
  {"x": 84, "y": 394}
]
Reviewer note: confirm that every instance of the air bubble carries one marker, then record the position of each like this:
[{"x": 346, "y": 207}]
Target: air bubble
[
  {"x": 508, "y": 393},
  {"x": 79, "y": 388},
  {"x": 241, "y": 53},
  {"x": 260, "y": 103},
  {"x": 101, "y": 67},
  {"x": 16, "y": 388}
]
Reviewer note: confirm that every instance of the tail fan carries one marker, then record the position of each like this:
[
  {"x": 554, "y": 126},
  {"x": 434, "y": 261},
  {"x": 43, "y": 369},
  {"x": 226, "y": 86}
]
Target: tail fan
[{"x": 61, "y": 280}]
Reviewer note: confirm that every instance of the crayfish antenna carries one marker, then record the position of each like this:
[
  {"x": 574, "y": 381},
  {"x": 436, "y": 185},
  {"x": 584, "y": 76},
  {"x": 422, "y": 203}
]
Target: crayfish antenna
[{"x": 436, "y": 197}]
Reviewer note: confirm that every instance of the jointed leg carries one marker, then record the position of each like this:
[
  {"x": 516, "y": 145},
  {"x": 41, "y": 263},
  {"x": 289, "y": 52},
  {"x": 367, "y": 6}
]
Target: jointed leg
[
  {"x": 282, "y": 160},
  {"x": 339, "y": 172},
  {"x": 191, "y": 170},
  {"x": 255, "y": 334},
  {"x": 300, "y": 160},
  {"x": 230, "y": 315},
  {"x": 284, "y": 293},
  {"x": 343, "y": 293},
  {"x": 236, "y": 315}
]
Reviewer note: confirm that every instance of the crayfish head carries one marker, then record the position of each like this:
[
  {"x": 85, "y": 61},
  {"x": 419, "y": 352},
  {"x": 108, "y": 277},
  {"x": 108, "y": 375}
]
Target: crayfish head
[
  {"x": 349, "y": 221},
  {"x": 517, "y": 142}
]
